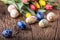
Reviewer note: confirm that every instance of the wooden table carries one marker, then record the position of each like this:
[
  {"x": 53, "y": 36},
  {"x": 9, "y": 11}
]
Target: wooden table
[{"x": 32, "y": 32}]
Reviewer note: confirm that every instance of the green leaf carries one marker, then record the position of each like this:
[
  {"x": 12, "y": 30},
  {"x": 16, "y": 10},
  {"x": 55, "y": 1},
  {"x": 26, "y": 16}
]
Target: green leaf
[
  {"x": 41, "y": 10},
  {"x": 51, "y": 0},
  {"x": 56, "y": 7},
  {"x": 31, "y": 11},
  {"x": 7, "y": 1},
  {"x": 20, "y": 5}
]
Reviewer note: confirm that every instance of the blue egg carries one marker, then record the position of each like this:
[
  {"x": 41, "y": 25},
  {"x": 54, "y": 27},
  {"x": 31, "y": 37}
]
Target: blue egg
[
  {"x": 40, "y": 16},
  {"x": 7, "y": 33},
  {"x": 21, "y": 25}
]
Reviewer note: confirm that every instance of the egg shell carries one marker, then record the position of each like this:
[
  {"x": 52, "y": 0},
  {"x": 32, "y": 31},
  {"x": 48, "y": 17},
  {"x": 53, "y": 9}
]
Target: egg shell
[
  {"x": 51, "y": 16},
  {"x": 7, "y": 33},
  {"x": 21, "y": 25},
  {"x": 31, "y": 19},
  {"x": 40, "y": 16},
  {"x": 43, "y": 23},
  {"x": 14, "y": 13},
  {"x": 11, "y": 7}
]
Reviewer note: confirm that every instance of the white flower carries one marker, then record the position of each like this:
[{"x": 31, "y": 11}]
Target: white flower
[
  {"x": 14, "y": 13},
  {"x": 31, "y": 19},
  {"x": 11, "y": 7}
]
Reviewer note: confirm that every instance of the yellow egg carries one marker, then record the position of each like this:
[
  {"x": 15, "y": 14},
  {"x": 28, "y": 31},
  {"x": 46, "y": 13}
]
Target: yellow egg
[{"x": 28, "y": 15}]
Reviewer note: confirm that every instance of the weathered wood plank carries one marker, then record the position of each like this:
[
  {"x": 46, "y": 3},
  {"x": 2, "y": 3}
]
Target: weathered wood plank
[
  {"x": 50, "y": 31},
  {"x": 38, "y": 33},
  {"x": 32, "y": 32},
  {"x": 47, "y": 33},
  {"x": 7, "y": 22},
  {"x": 58, "y": 28}
]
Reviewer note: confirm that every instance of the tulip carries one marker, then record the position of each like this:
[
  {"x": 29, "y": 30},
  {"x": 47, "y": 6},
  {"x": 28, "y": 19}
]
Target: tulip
[
  {"x": 37, "y": 5},
  {"x": 42, "y": 3},
  {"x": 25, "y": 1},
  {"x": 28, "y": 14},
  {"x": 34, "y": 0},
  {"x": 49, "y": 7},
  {"x": 33, "y": 7}
]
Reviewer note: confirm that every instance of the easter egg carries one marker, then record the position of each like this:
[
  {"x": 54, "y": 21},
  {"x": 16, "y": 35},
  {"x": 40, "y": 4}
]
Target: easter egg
[
  {"x": 14, "y": 13},
  {"x": 40, "y": 16},
  {"x": 7, "y": 33},
  {"x": 11, "y": 7},
  {"x": 51, "y": 16},
  {"x": 43, "y": 23},
  {"x": 31, "y": 19},
  {"x": 21, "y": 25}
]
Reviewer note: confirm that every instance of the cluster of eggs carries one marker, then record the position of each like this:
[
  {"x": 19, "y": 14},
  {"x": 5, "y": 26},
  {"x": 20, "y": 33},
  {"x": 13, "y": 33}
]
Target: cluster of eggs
[
  {"x": 32, "y": 19},
  {"x": 29, "y": 20},
  {"x": 13, "y": 11}
]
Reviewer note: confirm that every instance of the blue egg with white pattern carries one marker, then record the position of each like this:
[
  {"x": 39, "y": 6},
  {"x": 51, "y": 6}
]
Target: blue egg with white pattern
[
  {"x": 21, "y": 25},
  {"x": 7, "y": 33},
  {"x": 40, "y": 16}
]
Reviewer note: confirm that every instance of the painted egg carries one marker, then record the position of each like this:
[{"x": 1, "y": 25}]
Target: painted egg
[
  {"x": 21, "y": 25},
  {"x": 40, "y": 16},
  {"x": 31, "y": 19},
  {"x": 43, "y": 23},
  {"x": 51, "y": 16},
  {"x": 11, "y": 7},
  {"x": 7, "y": 33},
  {"x": 14, "y": 13}
]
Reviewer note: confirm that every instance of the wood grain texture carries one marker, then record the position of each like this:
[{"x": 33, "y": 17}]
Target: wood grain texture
[{"x": 33, "y": 31}]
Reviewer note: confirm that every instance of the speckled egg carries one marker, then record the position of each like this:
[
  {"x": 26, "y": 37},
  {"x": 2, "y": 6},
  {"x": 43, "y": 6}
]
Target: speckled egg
[
  {"x": 51, "y": 16},
  {"x": 31, "y": 19},
  {"x": 7, "y": 33},
  {"x": 21, "y": 25},
  {"x": 43, "y": 23},
  {"x": 14, "y": 13},
  {"x": 11, "y": 7}
]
